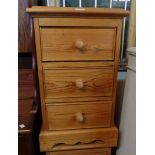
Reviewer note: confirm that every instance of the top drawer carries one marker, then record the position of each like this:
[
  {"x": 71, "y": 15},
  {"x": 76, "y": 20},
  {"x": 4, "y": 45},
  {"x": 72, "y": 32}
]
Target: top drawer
[{"x": 77, "y": 43}]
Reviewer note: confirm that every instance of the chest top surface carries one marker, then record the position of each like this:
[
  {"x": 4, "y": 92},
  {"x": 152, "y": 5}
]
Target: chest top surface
[{"x": 42, "y": 11}]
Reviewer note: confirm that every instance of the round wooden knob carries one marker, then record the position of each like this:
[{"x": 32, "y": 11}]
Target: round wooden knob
[
  {"x": 79, "y": 44},
  {"x": 80, "y": 117},
  {"x": 79, "y": 84}
]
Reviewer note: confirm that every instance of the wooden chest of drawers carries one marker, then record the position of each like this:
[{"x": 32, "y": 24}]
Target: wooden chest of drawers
[{"x": 77, "y": 55}]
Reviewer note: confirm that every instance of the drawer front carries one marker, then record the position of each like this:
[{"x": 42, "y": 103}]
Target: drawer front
[
  {"x": 77, "y": 44},
  {"x": 75, "y": 116},
  {"x": 95, "y": 151},
  {"x": 74, "y": 83}
]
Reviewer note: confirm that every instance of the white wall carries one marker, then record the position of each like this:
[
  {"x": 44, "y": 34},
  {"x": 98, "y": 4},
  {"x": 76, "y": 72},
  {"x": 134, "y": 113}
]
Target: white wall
[{"x": 127, "y": 128}]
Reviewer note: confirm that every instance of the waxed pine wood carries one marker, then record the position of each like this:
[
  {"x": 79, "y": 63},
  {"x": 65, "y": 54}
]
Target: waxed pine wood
[
  {"x": 64, "y": 83},
  {"x": 70, "y": 12},
  {"x": 101, "y": 137},
  {"x": 95, "y": 46},
  {"x": 40, "y": 68},
  {"x": 57, "y": 13},
  {"x": 93, "y": 114},
  {"x": 77, "y": 56}
]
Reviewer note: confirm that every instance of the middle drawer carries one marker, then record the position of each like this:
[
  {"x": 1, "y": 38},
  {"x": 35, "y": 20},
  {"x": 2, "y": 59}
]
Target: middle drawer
[{"x": 80, "y": 81}]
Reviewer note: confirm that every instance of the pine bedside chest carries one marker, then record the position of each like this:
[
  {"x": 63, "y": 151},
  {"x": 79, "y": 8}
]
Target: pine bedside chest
[{"x": 77, "y": 52}]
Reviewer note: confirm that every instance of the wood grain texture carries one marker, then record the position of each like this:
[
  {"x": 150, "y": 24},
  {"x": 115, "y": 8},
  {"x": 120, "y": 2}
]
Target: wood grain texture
[
  {"x": 97, "y": 44},
  {"x": 24, "y": 116},
  {"x": 79, "y": 22},
  {"x": 65, "y": 116},
  {"x": 28, "y": 142},
  {"x": 79, "y": 145},
  {"x": 25, "y": 84},
  {"x": 77, "y": 65},
  {"x": 77, "y": 99},
  {"x": 24, "y": 27},
  {"x": 77, "y": 57},
  {"x": 116, "y": 61},
  {"x": 40, "y": 75},
  {"x": 95, "y": 151},
  {"x": 48, "y": 139},
  {"x": 62, "y": 83},
  {"x": 69, "y": 11},
  {"x": 25, "y": 106}
]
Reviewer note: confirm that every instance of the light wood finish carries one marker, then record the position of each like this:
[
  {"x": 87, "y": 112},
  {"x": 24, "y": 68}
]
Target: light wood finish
[
  {"x": 63, "y": 83},
  {"x": 77, "y": 44},
  {"x": 116, "y": 62},
  {"x": 107, "y": 137},
  {"x": 79, "y": 84},
  {"x": 79, "y": 115},
  {"x": 40, "y": 69},
  {"x": 79, "y": 145},
  {"x": 89, "y": 12},
  {"x": 82, "y": 22},
  {"x": 71, "y": 99},
  {"x": 96, "y": 151},
  {"x": 77, "y": 99},
  {"x": 78, "y": 65},
  {"x": 77, "y": 55}
]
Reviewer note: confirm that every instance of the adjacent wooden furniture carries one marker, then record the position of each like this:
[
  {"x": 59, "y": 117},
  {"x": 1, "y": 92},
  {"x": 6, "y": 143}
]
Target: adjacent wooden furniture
[
  {"x": 77, "y": 52},
  {"x": 28, "y": 103},
  {"x": 25, "y": 27},
  {"x": 28, "y": 115},
  {"x": 26, "y": 126}
]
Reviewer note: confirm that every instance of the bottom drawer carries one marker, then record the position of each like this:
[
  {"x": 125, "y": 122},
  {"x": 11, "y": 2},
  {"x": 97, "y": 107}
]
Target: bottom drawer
[
  {"x": 95, "y": 151},
  {"x": 79, "y": 116}
]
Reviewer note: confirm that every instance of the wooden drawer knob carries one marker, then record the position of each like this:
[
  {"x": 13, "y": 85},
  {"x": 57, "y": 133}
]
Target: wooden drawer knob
[
  {"x": 79, "y": 44},
  {"x": 79, "y": 84},
  {"x": 80, "y": 117}
]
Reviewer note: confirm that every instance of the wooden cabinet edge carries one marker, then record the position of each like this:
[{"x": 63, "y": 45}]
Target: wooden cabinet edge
[{"x": 72, "y": 137}]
